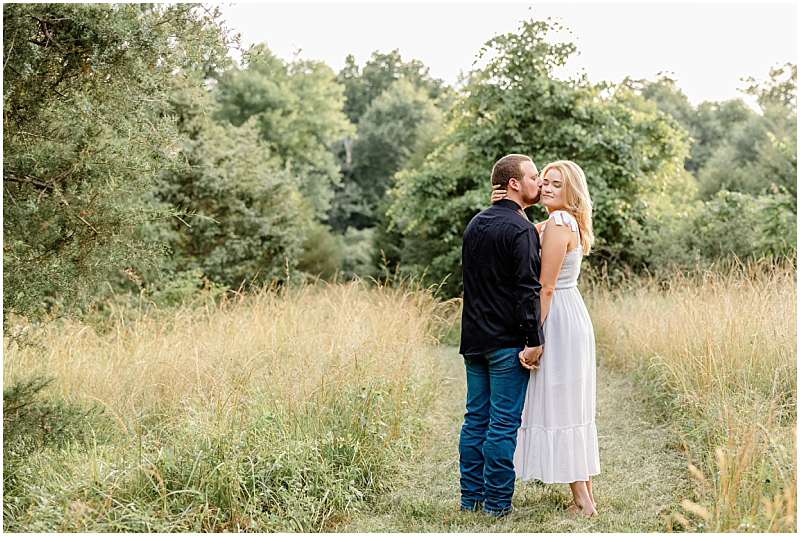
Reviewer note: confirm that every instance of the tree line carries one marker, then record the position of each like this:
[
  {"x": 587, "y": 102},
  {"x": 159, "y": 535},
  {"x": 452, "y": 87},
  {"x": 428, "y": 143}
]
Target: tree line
[{"x": 139, "y": 157}]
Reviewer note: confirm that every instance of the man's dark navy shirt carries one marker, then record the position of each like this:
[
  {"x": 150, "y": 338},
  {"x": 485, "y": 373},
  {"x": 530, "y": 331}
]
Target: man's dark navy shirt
[{"x": 500, "y": 263}]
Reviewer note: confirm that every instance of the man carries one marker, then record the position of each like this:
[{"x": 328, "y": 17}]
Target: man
[{"x": 500, "y": 260}]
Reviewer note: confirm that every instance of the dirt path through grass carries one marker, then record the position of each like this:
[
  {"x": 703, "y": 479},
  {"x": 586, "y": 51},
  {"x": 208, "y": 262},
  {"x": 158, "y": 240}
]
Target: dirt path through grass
[{"x": 643, "y": 478}]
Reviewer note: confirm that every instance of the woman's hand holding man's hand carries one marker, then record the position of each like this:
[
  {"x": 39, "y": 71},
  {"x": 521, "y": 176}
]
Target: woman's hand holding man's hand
[{"x": 530, "y": 357}]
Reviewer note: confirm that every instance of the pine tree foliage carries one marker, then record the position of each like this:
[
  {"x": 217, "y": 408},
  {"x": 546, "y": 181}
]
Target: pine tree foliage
[{"x": 86, "y": 128}]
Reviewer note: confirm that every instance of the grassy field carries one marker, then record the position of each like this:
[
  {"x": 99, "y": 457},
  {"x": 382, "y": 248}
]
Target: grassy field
[
  {"x": 643, "y": 472},
  {"x": 278, "y": 411},
  {"x": 336, "y": 408},
  {"x": 720, "y": 349}
]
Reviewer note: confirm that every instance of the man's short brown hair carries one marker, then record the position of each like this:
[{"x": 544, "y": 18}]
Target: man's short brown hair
[{"x": 508, "y": 167}]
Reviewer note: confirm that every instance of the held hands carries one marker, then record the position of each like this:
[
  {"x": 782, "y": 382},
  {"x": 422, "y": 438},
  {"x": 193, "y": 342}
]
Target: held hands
[
  {"x": 497, "y": 194},
  {"x": 530, "y": 357}
]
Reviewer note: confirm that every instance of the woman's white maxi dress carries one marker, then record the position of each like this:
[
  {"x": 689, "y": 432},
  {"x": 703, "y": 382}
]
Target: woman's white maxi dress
[{"x": 557, "y": 441}]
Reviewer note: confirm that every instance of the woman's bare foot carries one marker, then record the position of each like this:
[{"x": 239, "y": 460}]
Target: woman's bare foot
[
  {"x": 582, "y": 500},
  {"x": 576, "y": 511},
  {"x": 573, "y": 509},
  {"x": 591, "y": 495},
  {"x": 590, "y": 512}
]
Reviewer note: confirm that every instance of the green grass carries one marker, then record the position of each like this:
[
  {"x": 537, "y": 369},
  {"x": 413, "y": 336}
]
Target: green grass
[
  {"x": 719, "y": 348},
  {"x": 642, "y": 481},
  {"x": 332, "y": 408},
  {"x": 276, "y": 411}
]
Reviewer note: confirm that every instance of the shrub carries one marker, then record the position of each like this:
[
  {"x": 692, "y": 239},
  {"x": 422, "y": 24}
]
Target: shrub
[{"x": 700, "y": 234}]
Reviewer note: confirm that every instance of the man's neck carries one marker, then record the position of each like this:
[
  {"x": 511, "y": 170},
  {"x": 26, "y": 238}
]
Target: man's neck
[{"x": 518, "y": 201}]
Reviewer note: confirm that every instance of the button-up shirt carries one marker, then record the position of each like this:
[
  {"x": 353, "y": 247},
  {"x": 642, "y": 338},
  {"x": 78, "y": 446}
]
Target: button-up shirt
[{"x": 500, "y": 262}]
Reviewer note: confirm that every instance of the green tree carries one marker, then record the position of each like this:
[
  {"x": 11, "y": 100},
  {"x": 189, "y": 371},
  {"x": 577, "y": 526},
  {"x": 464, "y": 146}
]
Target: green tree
[
  {"x": 708, "y": 125},
  {"x": 397, "y": 106},
  {"x": 397, "y": 128},
  {"x": 716, "y": 123},
  {"x": 747, "y": 183},
  {"x": 667, "y": 96},
  {"x": 379, "y": 73},
  {"x": 515, "y": 105},
  {"x": 733, "y": 147},
  {"x": 247, "y": 218},
  {"x": 759, "y": 154},
  {"x": 779, "y": 91},
  {"x": 86, "y": 129},
  {"x": 298, "y": 109},
  {"x": 697, "y": 234},
  {"x": 776, "y": 161}
]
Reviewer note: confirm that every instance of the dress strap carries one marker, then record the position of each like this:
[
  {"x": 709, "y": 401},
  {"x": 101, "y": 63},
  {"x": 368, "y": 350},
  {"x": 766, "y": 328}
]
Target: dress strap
[{"x": 562, "y": 217}]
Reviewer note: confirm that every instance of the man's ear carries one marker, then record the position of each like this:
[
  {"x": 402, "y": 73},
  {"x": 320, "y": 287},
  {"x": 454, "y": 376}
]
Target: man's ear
[{"x": 513, "y": 184}]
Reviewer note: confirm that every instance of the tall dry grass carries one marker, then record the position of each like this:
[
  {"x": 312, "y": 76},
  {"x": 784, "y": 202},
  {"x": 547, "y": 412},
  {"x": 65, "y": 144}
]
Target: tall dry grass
[
  {"x": 278, "y": 410},
  {"x": 721, "y": 348}
]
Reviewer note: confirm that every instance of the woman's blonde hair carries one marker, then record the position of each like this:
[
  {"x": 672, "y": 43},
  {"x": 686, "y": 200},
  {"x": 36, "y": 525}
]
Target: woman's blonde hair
[{"x": 576, "y": 198}]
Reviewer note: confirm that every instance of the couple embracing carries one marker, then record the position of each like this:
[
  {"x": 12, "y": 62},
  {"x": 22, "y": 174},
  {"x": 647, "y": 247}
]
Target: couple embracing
[{"x": 527, "y": 340}]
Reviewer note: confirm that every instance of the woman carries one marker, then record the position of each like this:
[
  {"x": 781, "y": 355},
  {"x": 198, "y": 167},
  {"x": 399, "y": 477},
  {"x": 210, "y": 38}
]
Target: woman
[{"x": 557, "y": 441}]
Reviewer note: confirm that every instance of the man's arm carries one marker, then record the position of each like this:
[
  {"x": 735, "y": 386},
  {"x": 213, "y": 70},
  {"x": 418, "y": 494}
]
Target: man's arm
[{"x": 527, "y": 310}]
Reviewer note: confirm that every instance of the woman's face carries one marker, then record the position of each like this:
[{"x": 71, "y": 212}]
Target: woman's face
[{"x": 553, "y": 190}]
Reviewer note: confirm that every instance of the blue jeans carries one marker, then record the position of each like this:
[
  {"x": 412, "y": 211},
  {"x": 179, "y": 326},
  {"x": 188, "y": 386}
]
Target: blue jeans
[{"x": 496, "y": 385}]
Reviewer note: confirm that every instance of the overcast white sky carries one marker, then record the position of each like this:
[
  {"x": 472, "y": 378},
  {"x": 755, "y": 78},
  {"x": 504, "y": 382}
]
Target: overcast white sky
[{"x": 708, "y": 48}]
